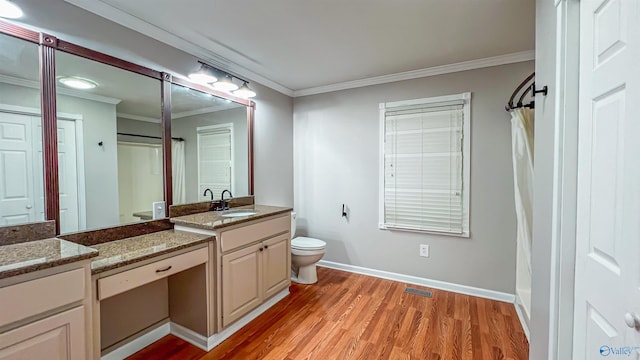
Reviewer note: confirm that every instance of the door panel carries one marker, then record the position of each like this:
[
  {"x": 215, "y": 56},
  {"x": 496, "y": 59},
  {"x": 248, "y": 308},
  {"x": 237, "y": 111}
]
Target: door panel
[
  {"x": 17, "y": 188},
  {"x": 241, "y": 282},
  {"x": 607, "y": 233},
  {"x": 276, "y": 264},
  {"x": 68, "y": 176},
  {"x": 60, "y": 337}
]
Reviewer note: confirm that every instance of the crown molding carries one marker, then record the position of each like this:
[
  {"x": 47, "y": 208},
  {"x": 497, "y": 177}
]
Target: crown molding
[
  {"x": 202, "y": 111},
  {"x": 137, "y": 117},
  {"x": 60, "y": 90},
  {"x": 123, "y": 18},
  {"x": 421, "y": 73}
]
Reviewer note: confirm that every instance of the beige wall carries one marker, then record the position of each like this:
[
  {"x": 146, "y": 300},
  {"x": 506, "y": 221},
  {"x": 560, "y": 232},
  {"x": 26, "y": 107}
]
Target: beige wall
[{"x": 336, "y": 144}]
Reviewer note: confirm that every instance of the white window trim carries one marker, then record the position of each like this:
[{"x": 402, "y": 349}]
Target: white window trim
[{"x": 466, "y": 160}]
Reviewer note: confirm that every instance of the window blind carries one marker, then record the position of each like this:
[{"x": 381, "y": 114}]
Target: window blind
[
  {"x": 423, "y": 167},
  {"x": 214, "y": 161}
]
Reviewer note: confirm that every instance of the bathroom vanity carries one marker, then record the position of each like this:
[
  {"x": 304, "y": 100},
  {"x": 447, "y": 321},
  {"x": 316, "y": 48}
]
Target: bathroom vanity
[
  {"x": 251, "y": 256},
  {"x": 108, "y": 293}
]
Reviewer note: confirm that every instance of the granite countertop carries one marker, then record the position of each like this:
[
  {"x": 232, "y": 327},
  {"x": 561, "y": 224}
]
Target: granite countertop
[
  {"x": 115, "y": 254},
  {"x": 212, "y": 220},
  {"x": 22, "y": 258}
]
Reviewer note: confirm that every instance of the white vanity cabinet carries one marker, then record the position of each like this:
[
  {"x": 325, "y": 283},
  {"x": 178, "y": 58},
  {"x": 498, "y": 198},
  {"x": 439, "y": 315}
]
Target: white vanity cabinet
[
  {"x": 49, "y": 317},
  {"x": 253, "y": 274},
  {"x": 255, "y": 264}
]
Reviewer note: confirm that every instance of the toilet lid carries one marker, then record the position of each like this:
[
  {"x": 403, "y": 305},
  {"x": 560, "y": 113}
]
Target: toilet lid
[{"x": 307, "y": 243}]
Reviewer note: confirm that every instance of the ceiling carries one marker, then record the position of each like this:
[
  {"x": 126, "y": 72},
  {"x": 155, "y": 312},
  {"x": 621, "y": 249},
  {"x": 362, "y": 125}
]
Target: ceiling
[{"x": 293, "y": 45}]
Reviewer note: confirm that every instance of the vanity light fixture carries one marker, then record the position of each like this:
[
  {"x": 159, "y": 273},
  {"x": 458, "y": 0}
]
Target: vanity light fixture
[
  {"x": 77, "y": 82},
  {"x": 204, "y": 75},
  {"x": 225, "y": 84},
  {"x": 244, "y": 92},
  {"x": 221, "y": 80},
  {"x": 10, "y": 10}
]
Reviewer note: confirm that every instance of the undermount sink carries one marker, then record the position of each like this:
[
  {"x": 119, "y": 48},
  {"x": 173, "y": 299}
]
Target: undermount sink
[{"x": 238, "y": 213}]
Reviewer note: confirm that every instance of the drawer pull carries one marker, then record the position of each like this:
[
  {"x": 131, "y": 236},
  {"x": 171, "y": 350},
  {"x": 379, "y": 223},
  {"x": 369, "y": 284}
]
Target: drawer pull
[{"x": 164, "y": 269}]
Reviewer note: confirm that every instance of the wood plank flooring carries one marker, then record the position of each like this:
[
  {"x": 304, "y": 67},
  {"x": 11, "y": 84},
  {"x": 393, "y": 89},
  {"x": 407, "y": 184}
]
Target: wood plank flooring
[{"x": 351, "y": 316}]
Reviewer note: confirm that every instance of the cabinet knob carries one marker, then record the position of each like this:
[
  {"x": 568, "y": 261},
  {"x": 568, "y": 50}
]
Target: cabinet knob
[
  {"x": 261, "y": 249},
  {"x": 266, "y": 246},
  {"x": 29, "y": 207}
]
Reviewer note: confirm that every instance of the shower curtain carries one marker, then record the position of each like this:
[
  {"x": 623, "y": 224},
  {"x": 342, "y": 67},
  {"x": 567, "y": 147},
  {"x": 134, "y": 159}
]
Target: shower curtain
[
  {"x": 178, "y": 172},
  {"x": 522, "y": 121}
]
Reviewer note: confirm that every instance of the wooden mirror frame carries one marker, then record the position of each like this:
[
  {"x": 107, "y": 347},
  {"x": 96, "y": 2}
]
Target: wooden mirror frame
[{"x": 48, "y": 45}]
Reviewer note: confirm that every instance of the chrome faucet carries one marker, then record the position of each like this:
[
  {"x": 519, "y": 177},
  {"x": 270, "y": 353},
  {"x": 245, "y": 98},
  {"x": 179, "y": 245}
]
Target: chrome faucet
[
  {"x": 225, "y": 203},
  {"x": 210, "y": 192}
]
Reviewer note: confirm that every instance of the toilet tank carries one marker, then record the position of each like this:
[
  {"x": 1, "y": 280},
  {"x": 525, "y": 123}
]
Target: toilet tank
[{"x": 293, "y": 224}]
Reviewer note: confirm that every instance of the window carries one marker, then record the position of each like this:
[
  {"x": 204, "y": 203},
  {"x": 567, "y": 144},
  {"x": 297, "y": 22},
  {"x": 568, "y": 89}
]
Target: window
[
  {"x": 424, "y": 165},
  {"x": 215, "y": 159}
]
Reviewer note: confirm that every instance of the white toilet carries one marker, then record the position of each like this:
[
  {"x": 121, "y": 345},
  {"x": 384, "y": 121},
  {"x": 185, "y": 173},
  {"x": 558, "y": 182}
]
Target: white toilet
[{"x": 305, "y": 253}]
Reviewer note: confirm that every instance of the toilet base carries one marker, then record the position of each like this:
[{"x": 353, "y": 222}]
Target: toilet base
[{"x": 305, "y": 275}]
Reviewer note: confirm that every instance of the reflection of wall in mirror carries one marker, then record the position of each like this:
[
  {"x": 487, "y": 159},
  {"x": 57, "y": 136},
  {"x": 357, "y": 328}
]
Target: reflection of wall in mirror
[
  {"x": 99, "y": 124},
  {"x": 186, "y": 128}
]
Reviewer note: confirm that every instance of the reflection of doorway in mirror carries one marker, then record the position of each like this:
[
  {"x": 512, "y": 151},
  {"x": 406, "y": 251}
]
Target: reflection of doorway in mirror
[
  {"x": 139, "y": 180},
  {"x": 215, "y": 159},
  {"x": 22, "y": 191}
]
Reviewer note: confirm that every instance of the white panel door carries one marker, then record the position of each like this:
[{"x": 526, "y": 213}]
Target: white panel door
[
  {"x": 18, "y": 194},
  {"x": 607, "y": 300},
  {"x": 68, "y": 175}
]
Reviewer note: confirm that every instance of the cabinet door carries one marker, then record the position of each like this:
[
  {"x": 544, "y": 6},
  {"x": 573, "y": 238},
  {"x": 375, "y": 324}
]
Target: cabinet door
[
  {"x": 276, "y": 265},
  {"x": 60, "y": 336},
  {"x": 241, "y": 282}
]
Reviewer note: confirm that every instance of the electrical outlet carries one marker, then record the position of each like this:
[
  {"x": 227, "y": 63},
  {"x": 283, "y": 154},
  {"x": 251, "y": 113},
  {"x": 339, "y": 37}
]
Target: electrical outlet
[
  {"x": 424, "y": 250},
  {"x": 158, "y": 210}
]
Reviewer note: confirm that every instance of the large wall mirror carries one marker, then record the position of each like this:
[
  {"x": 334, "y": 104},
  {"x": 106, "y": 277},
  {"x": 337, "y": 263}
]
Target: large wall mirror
[
  {"x": 109, "y": 146},
  {"x": 210, "y": 146},
  {"x": 21, "y": 161},
  {"x": 109, "y": 132}
]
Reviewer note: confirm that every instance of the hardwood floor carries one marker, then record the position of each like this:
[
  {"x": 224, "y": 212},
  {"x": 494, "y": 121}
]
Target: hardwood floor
[{"x": 351, "y": 316}]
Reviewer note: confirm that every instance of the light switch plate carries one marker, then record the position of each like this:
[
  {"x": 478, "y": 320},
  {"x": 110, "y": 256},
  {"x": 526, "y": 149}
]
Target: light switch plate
[
  {"x": 424, "y": 250},
  {"x": 159, "y": 210}
]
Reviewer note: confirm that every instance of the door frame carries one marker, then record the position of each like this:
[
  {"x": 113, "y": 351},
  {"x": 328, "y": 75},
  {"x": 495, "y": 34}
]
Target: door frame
[
  {"x": 565, "y": 180},
  {"x": 78, "y": 121}
]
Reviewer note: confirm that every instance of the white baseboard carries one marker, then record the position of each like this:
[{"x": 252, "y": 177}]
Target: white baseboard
[
  {"x": 436, "y": 284},
  {"x": 521, "y": 311},
  {"x": 139, "y": 343},
  {"x": 209, "y": 343}
]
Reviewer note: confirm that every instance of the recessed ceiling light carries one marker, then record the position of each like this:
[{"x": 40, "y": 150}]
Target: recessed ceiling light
[
  {"x": 77, "y": 82},
  {"x": 10, "y": 10}
]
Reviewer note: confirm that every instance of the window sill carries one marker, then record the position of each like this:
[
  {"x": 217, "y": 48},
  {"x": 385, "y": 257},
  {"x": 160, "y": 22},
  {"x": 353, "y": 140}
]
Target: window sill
[{"x": 464, "y": 234}]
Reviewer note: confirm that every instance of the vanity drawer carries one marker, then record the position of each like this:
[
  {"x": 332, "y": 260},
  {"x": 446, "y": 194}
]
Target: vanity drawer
[
  {"x": 34, "y": 297},
  {"x": 131, "y": 279},
  {"x": 245, "y": 235}
]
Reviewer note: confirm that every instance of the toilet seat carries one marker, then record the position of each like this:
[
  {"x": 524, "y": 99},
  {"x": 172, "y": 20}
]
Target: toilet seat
[{"x": 307, "y": 243}]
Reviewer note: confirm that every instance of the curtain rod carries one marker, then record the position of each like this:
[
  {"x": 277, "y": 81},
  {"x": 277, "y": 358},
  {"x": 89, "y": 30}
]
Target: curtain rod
[{"x": 149, "y": 137}]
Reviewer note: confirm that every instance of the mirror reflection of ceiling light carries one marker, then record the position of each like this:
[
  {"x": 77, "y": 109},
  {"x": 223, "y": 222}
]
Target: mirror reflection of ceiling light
[
  {"x": 10, "y": 10},
  {"x": 77, "y": 82}
]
